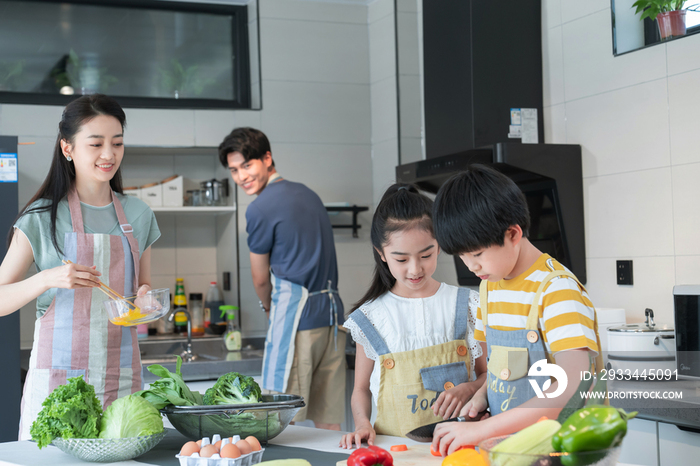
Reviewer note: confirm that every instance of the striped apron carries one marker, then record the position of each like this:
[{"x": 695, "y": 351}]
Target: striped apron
[
  {"x": 288, "y": 301},
  {"x": 74, "y": 336}
]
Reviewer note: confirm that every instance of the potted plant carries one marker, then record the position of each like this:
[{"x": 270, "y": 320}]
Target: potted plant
[{"x": 669, "y": 15}]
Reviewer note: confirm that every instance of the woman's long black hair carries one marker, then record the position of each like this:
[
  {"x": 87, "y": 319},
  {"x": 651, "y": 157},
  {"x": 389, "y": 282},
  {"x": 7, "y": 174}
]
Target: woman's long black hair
[
  {"x": 402, "y": 207},
  {"x": 61, "y": 174}
]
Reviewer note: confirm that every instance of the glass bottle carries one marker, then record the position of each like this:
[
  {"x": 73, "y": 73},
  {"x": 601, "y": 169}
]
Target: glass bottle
[
  {"x": 232, "y": 337},
  {"x": 197, "y": 313},
  {"x": 180, "y": 301},
  {"x": 212, "y": 303}
]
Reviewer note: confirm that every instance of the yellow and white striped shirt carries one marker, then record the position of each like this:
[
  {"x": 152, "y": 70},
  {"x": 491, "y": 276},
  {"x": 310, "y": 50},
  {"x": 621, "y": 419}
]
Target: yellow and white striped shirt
[{"x": 566, "y": 314}]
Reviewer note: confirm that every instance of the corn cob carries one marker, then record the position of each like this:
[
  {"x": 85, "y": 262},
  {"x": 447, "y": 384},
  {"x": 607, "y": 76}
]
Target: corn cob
[{"x": 534, "y": 440}]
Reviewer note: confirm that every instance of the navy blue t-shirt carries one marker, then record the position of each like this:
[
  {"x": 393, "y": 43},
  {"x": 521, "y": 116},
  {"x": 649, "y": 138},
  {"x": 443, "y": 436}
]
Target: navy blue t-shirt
[{"x": 288, "y": 221}]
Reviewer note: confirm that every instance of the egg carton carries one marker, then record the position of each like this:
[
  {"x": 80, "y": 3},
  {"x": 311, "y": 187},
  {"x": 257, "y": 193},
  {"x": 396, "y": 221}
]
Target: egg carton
[{"x": 254, "y": 457}]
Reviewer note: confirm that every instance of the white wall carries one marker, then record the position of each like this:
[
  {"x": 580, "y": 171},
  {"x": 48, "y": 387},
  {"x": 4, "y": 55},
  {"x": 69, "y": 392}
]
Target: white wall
[{"x": 636, "y": 118}]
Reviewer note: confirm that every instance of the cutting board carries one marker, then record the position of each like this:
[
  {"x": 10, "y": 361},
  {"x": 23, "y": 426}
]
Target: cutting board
[{"x": 414, "y": 456}]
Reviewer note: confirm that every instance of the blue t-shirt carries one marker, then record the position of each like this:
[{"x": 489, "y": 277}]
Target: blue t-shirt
[{"x": 288, "y": 221}]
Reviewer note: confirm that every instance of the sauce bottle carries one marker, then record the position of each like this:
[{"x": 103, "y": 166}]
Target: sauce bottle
[{"x": 180, "y": 301}]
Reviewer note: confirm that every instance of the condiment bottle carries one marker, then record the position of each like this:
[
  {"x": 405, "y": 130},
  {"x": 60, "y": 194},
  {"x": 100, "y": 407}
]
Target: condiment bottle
[
  {"x": 197, "y": 313},
  {"x": 212, "y": 303},
  {"x": 232, "y": 337},
  {"x": 180, "y": 301}
]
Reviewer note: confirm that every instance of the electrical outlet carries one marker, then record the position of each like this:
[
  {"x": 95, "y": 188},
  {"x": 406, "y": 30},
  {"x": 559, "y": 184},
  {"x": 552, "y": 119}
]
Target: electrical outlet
[{"x": 624, "y": 272}]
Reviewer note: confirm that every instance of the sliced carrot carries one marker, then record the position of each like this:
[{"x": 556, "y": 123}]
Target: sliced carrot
[
  {"x": 398, "y": 448},
  {"x": 543, "y": 418},
  {"x": 433, "y": 452}
]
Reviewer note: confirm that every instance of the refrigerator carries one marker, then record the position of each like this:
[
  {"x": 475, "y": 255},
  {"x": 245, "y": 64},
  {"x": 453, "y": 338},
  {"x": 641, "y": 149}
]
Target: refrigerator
[{"x": 10, "y": 388}]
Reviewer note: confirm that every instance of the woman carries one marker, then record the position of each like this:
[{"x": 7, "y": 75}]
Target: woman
[{"x": 80, "y": 214}]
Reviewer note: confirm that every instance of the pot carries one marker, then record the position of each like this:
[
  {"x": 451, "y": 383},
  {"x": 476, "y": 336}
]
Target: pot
[{"x": 642, "y": 347}]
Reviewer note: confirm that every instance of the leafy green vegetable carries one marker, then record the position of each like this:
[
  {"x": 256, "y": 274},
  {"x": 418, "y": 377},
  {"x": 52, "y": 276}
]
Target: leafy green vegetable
[
  {"x": 70, "y": 411},
  {"x": 170, "y": 389},
  {"x": 130, "y": 416},
  {"x": 233, "y": 388}
]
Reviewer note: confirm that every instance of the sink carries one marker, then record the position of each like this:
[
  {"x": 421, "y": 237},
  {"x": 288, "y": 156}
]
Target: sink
[{"x": 213, "y": 358}]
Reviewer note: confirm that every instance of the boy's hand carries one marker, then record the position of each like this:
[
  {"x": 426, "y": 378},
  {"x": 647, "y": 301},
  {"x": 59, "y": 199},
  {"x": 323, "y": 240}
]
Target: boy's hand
[
  {"x": 361, "y": 433},
  {"x": 477, "y": 404},
  {"x": 451, "y": 401}
]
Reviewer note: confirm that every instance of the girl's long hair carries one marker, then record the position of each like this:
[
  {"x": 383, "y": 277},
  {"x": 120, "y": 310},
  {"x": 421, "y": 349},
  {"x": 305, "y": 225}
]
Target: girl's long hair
[
  {"x": 61, "y": 174},
  {"x": 402, "y": 208}
]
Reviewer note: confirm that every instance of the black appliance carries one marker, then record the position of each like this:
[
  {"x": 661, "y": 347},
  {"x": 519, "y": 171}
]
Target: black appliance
[
  {"x": 686, "y": 313},
  {"x": 10, "y": 388},
  {"x": 549, "y": 175}
]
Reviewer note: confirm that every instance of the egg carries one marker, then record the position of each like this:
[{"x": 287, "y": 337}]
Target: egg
[
  {"x": 218, "y": 445},
  {"x": 244, "y": 447},
  {"x": 199, "y": 443},
  {"x": 207, "y": 451},
  {"x": 230, "y": 451},
  {"x": 253, "y": 442},
  {"x": 189, "y": 448}
]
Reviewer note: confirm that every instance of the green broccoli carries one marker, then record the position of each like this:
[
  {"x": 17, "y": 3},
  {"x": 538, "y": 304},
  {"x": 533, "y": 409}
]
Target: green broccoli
[{"x": 233, "y": 388}]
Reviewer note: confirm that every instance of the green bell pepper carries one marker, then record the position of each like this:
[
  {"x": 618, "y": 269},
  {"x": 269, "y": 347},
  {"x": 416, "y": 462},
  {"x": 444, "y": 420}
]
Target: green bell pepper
[{"x": 596, "y": 427}]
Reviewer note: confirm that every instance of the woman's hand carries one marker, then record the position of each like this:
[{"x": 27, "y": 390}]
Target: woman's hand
[
  {"x": 71, "y": 276},
  {"x": 143, "y": 289},
  {"x": 361, "y": 433},
  {"x": 450, "y": 402},
  {"x": 477, "y": 404}
]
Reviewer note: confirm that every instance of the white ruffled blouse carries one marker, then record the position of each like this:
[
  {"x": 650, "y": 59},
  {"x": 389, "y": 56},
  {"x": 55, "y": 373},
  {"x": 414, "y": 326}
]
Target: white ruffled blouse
[{"x": 412, "y": 323}]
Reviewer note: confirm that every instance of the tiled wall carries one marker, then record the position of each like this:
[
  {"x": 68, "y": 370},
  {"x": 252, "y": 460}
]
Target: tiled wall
[
  {"x": 636, "y": 118},
  {"x": 315, "y": 72}
]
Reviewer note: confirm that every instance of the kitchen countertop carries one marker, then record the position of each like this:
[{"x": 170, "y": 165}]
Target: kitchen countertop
[
  {"x": 319, "y": 447},
  {"x": 683, "y": 412}
]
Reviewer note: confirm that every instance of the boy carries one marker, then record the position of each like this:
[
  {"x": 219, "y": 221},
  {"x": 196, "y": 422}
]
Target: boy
[{"x": 526, "y": 311}]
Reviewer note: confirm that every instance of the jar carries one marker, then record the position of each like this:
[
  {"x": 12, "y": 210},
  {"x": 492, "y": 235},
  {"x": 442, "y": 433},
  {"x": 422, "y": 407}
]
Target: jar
[
  {"x": 214, "y": 192},
  {"x": 196, "y": 313}
]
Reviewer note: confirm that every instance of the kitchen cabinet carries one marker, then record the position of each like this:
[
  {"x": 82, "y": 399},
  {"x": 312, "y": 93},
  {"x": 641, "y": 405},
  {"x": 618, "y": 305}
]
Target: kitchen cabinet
[
  {"x": 640, "y": 445},
  {"x": 677, "y": 446}
]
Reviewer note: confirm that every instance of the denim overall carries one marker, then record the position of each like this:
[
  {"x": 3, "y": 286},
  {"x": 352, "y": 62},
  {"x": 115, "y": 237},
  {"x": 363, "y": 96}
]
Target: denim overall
[
  {"x": 511, "y": 353},
  {"x": 411, "y": 381}
]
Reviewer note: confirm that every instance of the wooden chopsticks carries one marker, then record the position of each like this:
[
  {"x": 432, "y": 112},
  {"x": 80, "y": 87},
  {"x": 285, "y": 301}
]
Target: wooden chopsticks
[{"x": 105, "y": 289}]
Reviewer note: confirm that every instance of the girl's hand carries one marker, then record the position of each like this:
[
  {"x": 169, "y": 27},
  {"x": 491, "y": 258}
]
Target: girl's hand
[
  {"x": 451, "y": 401},
  {"x": 451, "y": 436},
  {"x": 477, "y": 404},
  {"x": 72, "y": 276},
  {"x": 361, "y": 433},
  {"x": 143, "y": 289}
]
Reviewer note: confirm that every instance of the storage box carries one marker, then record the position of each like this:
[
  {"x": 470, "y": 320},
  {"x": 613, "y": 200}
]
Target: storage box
[
  {"x": 152, "y": 194},
  {"x": 173, "y": 191},
  {"x": 133, "y": 191}
]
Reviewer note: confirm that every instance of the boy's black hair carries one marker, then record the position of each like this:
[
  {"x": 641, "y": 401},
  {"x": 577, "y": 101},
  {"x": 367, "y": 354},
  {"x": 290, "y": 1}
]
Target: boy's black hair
[
  {"x": 251, "y": 143},
  {"x": 401, "y": 208},
  {"x": 474, "y": 208}
]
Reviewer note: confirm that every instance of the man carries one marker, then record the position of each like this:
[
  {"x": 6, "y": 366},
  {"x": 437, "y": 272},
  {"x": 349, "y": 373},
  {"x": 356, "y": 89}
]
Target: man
[{"x": 295, "y": 275}]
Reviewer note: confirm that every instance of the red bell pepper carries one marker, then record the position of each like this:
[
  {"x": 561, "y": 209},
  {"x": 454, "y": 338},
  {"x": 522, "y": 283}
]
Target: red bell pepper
[{"x": 370, "y": 456}]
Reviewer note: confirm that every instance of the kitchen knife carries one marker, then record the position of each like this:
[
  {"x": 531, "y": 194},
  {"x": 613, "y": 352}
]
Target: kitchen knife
[{"x": 425, "y": 433}]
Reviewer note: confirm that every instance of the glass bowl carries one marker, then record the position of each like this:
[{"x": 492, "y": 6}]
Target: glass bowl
[
  {"x": 607, "y": 457},
  {"x": 108, "y": 450},
  {"x": 136, "y": 310},
  {"x": 264, "y": 420}
]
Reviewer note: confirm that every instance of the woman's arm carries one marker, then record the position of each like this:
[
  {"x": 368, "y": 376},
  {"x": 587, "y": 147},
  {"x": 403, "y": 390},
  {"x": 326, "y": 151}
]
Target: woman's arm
[
  {"x": 16, "y": 291},
  {"x": 361, "y": 402},
  {"x": 144, "y": 272}
]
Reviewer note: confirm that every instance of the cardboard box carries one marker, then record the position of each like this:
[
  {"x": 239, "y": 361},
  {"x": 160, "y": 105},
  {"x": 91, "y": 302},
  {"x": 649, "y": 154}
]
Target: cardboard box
[
  {"x": 173, "y": 191},
  {"x": 152, "y": 194},
  {"x": 134, "y": 191}
]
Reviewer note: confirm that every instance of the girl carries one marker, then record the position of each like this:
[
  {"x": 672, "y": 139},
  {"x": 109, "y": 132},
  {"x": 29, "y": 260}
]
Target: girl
[
  {"x": 80, "y": 214},
  {"x": 417, "y": 359}
]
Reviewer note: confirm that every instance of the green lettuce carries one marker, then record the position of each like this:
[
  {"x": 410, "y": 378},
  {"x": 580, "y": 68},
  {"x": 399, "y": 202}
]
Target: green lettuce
[
  {"x": 130, "y": 416},
  {"x": 170, "y": 389},
  {"x": 70, "y": 411}
]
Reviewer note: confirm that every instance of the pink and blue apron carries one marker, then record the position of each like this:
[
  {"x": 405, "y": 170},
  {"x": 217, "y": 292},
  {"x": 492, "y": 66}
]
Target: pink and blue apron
[{"x": 74, "y": 337}]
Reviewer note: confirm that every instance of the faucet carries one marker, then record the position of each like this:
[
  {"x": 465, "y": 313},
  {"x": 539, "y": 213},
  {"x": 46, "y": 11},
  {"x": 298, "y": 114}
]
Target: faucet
[{"x": 187, "y": 355}]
